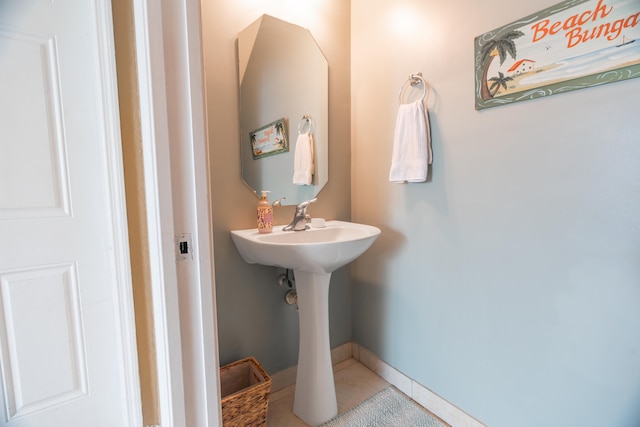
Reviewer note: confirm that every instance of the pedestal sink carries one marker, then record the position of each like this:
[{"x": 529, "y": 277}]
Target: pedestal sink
[{"x": 313, "y": 255}]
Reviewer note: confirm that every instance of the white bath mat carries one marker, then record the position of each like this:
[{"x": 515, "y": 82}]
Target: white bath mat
[{"x": 387, "y": 408}]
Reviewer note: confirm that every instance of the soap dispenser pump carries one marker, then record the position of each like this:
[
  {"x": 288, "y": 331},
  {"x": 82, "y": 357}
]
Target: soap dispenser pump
[{"x": 265, "y": 214}]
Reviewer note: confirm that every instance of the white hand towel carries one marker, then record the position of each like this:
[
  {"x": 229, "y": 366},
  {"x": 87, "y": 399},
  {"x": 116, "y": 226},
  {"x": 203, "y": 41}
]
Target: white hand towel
[
  {"x": 303, "y": 160},
  {"x": 411, "y": 144}
]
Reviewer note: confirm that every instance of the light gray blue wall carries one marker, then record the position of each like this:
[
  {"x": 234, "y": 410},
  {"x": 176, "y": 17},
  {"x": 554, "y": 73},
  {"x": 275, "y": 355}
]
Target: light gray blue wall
[{"x": 509, "y": 283}]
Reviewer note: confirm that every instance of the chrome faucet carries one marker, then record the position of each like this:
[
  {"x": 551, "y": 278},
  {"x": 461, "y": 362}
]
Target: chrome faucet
[{"x": 300, "y": 218}]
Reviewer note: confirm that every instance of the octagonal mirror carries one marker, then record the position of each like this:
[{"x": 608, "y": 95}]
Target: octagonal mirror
[{"x": 283, "y": 81}]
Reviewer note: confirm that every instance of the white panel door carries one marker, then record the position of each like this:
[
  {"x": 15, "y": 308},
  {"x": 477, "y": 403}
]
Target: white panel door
[{"x": 66, "y": 357}]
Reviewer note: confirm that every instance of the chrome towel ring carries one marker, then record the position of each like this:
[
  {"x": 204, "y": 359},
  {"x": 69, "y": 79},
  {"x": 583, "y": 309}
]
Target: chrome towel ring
[
  {"x": 305, "y": 121},
  {"x": 414, "y": 80}
]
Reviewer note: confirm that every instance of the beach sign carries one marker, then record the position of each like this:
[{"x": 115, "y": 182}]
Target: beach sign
[{"x": 573, "y": 45}]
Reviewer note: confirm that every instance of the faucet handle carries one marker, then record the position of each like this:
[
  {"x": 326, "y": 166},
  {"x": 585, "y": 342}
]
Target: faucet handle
[
  {"x": 278, "y": 202},
  {"x": 306, "y": 203}
]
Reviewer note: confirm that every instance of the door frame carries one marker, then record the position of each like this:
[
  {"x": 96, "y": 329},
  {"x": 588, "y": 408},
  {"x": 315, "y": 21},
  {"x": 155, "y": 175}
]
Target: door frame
[
  {"x": 175, "y": 152},
  {"x": 108, "y": 112}
]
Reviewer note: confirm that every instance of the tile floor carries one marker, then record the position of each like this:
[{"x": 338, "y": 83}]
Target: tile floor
[{"x": 355, "y": 383}]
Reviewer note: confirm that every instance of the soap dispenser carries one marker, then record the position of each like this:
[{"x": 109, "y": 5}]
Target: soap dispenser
[{"x": 265, "y": 214}]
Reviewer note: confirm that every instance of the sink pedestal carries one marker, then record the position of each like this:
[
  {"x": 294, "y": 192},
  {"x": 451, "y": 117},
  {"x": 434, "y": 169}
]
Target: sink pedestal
[{"x": 315, "y": 393}]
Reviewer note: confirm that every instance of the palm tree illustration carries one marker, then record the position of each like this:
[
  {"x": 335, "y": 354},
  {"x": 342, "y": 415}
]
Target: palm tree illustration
[
  {"x": 279, "y": 128},
  {"x": 497, "y": 47},
  {"x": 501, "y": 80}
]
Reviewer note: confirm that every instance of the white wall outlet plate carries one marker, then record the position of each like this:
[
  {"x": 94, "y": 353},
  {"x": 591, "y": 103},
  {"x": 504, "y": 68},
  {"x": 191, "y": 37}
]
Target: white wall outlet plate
[{"x": 184, "y": 247}]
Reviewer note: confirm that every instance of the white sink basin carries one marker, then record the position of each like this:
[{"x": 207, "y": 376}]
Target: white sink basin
[
  {"x": 316, "y": 250},
  {"x": 313, "y": 255}
]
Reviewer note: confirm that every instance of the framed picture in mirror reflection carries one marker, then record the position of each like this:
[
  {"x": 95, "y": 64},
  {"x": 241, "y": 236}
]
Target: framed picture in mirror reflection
[{"x": 269, "y": 140}]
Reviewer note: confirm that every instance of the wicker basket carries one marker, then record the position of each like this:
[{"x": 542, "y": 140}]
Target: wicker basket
[{"x": 245, "y": 389}]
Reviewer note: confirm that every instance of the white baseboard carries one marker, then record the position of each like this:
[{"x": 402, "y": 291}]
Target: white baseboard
[
  {"x": 440, "y": 407},
  {"x": 435, "y": 404}
]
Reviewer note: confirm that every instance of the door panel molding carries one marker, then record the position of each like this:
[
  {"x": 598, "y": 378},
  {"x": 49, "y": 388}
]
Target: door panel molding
[
  {"x": 23, "y": 195},
  {"x": 41, "y": 337}
]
